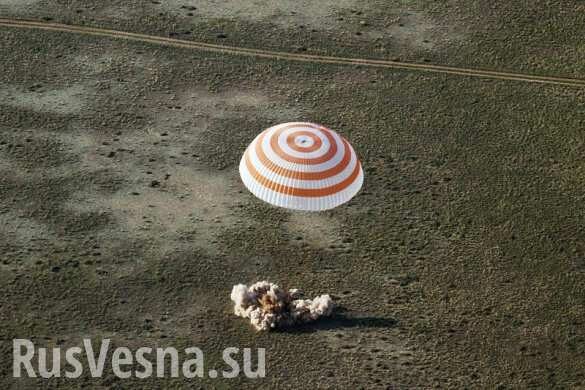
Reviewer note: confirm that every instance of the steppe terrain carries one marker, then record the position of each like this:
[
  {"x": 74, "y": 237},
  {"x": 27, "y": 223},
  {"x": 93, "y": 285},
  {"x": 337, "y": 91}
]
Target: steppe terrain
[{"x": 461, "y": 263}]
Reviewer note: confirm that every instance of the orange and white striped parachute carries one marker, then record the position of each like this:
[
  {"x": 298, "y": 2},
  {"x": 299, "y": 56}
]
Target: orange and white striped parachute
[{"x": 301, "y": 166}]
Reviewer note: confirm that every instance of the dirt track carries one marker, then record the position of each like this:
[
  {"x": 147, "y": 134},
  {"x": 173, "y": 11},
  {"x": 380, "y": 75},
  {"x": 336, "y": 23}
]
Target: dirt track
[{"x": 290, "y": 56}]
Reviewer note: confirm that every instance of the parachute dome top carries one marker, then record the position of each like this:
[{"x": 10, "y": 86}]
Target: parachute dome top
[{"x": 301, "y": 166}]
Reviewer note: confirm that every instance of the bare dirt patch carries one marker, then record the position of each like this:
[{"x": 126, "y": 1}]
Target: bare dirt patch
[
  {"x": 411, "y": 28},
  {"x": 169, "y": 196},
  {"x": 312, "y": 13},
  {"x": 66, "y": 100},
  {"x": 17, "y": 5},
  {"x": 315, "y": 229}
]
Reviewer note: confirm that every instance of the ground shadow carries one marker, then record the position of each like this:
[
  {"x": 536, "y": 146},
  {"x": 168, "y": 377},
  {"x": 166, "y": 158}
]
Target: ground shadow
[{"x": 340, "y": 319}]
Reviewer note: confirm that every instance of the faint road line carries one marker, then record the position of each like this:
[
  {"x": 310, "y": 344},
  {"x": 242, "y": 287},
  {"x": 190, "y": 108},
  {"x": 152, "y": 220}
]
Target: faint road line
[{"x": 16, "y": 23}]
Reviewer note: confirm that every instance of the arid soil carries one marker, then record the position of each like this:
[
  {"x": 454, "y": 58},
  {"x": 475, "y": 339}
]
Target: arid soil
[{"x": 459, "y": 265}]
